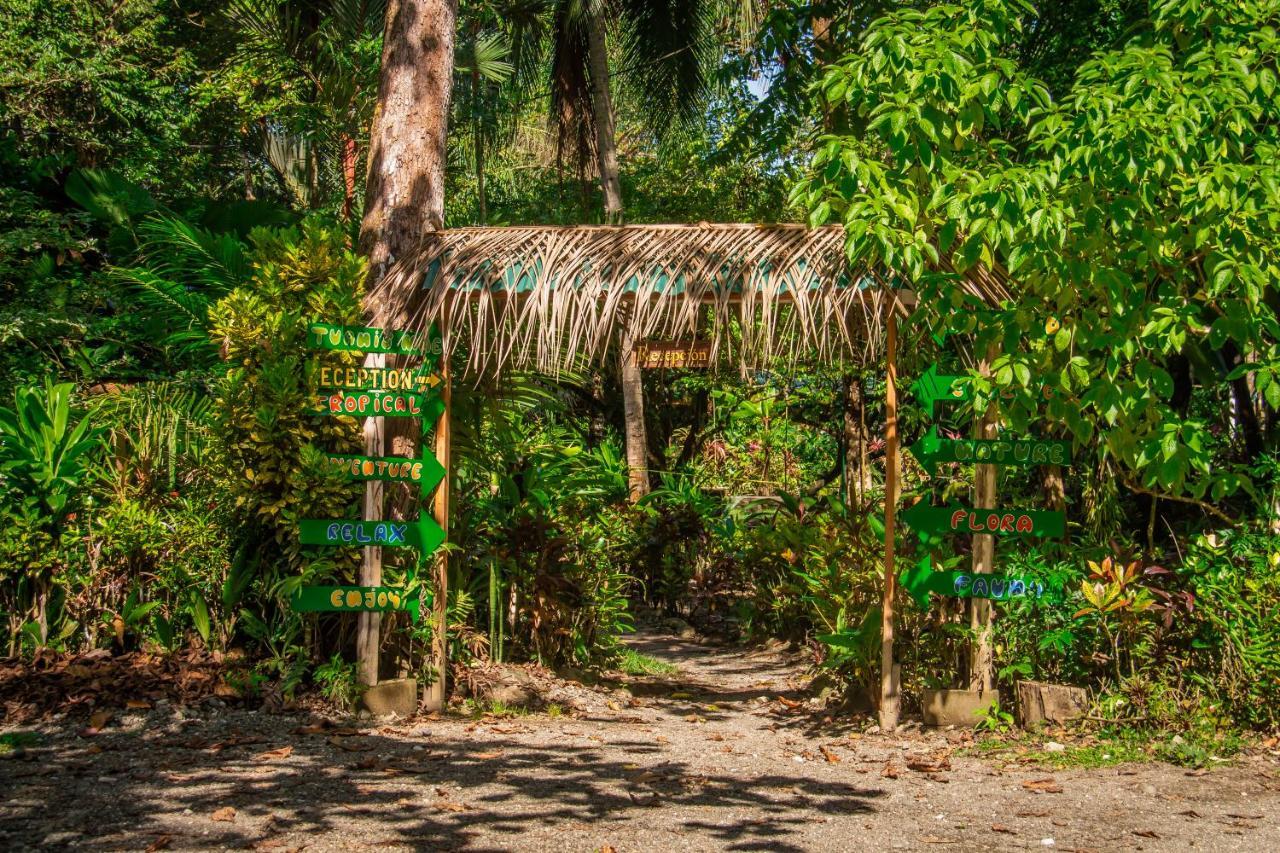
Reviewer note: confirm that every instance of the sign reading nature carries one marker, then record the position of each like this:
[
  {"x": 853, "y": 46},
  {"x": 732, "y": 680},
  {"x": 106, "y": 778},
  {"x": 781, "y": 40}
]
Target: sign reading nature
[{"x": 364, "y": 392}]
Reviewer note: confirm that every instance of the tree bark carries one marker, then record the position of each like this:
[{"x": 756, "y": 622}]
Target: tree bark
[
  {"x": 349, "y": 156},
  {"x": 404, "y": 195},
  {"x": 633, "y": 419},
  {"x": 857, "y": 475},
  {"x": 602, "y": 107}
]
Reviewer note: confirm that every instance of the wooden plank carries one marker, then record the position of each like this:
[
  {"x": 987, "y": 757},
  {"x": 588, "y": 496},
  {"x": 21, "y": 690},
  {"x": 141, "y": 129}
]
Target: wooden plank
[
  {"x": 369, "y": 623},
  {"x": 890, "y": 698},
  {"x": 981, "y": 653},
  {"x": 436, "y": 691}
]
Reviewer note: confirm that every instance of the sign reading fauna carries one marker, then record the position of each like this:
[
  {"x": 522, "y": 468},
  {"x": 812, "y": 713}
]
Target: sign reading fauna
[
  {"x": 653, "y": 355},
  {"x": 922, "y": 580}
]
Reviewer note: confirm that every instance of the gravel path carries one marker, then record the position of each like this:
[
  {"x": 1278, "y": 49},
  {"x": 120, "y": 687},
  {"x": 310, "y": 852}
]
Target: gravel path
[{"x": 708, "y": 759}]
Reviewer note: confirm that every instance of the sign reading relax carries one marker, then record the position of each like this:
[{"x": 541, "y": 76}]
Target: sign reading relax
[
  {"x": 423, "y": 534},
  {"x": 322, "y": 599}
]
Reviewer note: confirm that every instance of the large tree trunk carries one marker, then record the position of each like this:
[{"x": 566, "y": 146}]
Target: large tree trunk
[
  {"x": 611, "y": 190},
  {"x": 404, "y": 198},
  {"x": 602, "y": 107}
]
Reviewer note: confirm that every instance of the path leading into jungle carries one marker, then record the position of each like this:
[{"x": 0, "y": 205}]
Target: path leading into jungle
[{"x": 723, "y": 755}]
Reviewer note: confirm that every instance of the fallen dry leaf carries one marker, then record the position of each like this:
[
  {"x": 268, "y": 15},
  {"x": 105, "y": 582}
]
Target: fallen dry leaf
[
  {"x": 162, "y": 842},
  {"x": 486, "y": 756},
  {"x": 889, "y": 771},
  {"x": 1244, "y": 816},
  {"x": 137, "y": 705},
  {"x": 1042, "y": 786},
  {"x": 829, "y": 754},
  {"x": 349, "y": 744},
  {"x": 928, "y": 764},
  {"x": 273, "y": 754},
  {"x": 226, "y": 814},
  {"x": 790, "y": 703},
  {"x": 1032, "y": 814},
  {"x": 99, "y": 719},
  {"x": 1000, "y": 827},
  {"x": 1146, "y": 833},
  {"x": 1191, "y": 813},
  {"x": 451, "y": 807},
  {"x": 1200, "y": 772}
]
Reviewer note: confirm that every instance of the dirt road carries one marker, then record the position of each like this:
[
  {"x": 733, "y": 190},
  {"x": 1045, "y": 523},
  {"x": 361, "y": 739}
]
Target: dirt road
[{"x": 707, "y": 759}]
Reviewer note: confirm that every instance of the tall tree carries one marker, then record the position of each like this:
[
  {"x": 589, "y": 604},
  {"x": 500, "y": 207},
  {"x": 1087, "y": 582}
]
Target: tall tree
[{"x": 404, "y": 199}]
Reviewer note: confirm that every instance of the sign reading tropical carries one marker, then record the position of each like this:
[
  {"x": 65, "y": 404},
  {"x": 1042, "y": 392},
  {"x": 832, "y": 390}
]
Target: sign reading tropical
[
  {"x": 406, "y": 404},
  {"x": 363, "y": 339},
  {"x": 998, "y": 522},
  {"x": 323, "y": 599},
  {"x": 423, "y": 534},
  {"x": 425, "y": 472},
  {"x": 652, "y": 355},
  {"x": 921, "y": 580},
  {"x": 377, "y": 378},
  {"x": 930, "y": 450}
]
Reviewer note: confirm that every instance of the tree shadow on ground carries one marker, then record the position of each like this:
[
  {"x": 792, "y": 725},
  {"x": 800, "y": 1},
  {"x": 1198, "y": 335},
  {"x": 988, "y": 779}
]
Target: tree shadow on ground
[{"x": 444, "y": 789}]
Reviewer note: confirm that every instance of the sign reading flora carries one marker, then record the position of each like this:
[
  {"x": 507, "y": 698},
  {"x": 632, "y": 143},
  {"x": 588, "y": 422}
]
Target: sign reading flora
[{"x": 999, "y": 522}]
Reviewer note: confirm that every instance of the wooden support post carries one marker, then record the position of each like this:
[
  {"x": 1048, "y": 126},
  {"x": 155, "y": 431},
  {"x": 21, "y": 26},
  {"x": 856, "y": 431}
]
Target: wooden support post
[
  {"x": 369, "y": 624},
  {"x": 889, "y": 696},
  {"x": 981, "y": 653},
  {"x": 436, "y": 692}
]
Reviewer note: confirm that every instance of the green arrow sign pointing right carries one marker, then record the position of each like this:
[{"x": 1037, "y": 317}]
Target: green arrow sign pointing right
[
  {"x": 323, "y": 599},
  {"x": 423, "y": 534}
]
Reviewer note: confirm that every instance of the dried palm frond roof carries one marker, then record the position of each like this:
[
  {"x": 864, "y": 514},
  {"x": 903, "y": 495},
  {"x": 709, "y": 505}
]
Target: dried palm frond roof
[{"x": 548, "y": 297}]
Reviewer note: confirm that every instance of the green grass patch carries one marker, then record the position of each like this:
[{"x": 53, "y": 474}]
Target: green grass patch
[
  {"x": 634, "y": 663},
  {"x": 11, "y": 742},
  {"x": 1110, "y": 747}
]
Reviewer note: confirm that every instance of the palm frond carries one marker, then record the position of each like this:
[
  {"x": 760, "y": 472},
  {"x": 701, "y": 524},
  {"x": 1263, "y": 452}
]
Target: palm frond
[{"x": 667, "y": 49}]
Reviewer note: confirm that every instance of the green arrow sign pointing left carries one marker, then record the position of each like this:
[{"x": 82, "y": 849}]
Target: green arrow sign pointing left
[
  {"x": 930, "y": 450},
  {"x": 423, "y": 534},
  {"x": 930, "y": 388},
  {"x": 998, "y": 522},
  {"x": 920, "y": 580}
]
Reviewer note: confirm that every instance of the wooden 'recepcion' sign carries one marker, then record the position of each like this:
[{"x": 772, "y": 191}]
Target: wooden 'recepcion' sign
[{"x": 673, "y": 355}]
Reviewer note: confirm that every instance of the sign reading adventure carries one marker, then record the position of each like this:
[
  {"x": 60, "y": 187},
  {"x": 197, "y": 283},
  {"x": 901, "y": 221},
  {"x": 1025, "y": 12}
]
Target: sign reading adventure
[
  {"x": 922, "y": 580},
  {"x": 323, "y": 599},
  {"x": 998, "y": 522},
  {"x": 361, "y": 339},
  {"x": 654, "y": 355},
  {"x": 425, "y": 472},
  {"x": 377, "y": 379},
  {"x": 930, "y": 450},
  {"x": 423, "y": 534}
]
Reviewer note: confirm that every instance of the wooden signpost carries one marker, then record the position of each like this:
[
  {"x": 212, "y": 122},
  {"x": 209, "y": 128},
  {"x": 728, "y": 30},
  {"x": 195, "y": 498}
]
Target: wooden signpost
[{"x": 375, "y": 391}]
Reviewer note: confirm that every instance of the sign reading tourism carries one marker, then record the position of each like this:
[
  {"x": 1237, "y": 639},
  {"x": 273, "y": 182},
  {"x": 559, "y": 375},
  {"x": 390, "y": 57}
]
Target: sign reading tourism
[
  {"x": 377, "y": 379},
  {"x": 324, "y": 599},
  {"x": 930, "y": 450},
  {"x": 404, "y": 404},
  {"x": 921, "y": 580},
  {"x": 652, "y": 355},
  {"x": 426, "y": 472},
  {"x": 423, "y": 534},
  {"x": 998, "y": 522},
  {"x": 363, "y": 339}
]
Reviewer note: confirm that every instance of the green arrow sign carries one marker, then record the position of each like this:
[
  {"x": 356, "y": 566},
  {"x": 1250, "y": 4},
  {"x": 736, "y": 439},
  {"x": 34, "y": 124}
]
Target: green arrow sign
[
  {"x": 931, "y": 449},
  {"x": 377, "y": 378},
  {"x": 423, "y": 534},
  {"x": 931, "y": 388},
  {"x": 426, "y": 472},
  {"x": 322, "y": 599},
  {"x": 401, "y": 404},
  {"x": 921, "y": 580},
  {"x": 999, "y": 522},
  {"x": 328, "y": 336}
]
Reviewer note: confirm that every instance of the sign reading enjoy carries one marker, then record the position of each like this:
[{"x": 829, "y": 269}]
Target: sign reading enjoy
[{"x": 323, "y": 599}]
